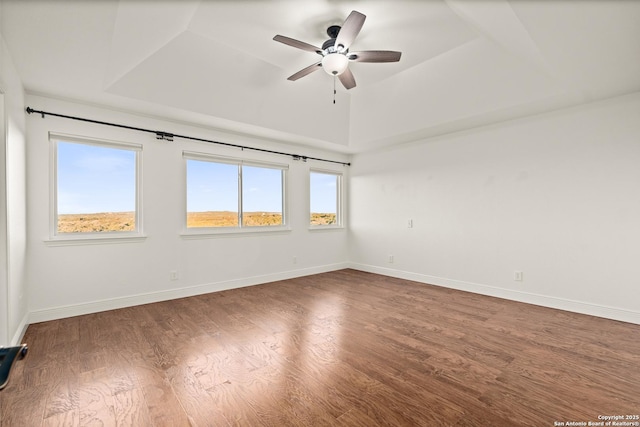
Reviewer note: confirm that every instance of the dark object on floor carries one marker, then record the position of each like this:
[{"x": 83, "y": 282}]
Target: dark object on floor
[{"x": 7, "y": 357}]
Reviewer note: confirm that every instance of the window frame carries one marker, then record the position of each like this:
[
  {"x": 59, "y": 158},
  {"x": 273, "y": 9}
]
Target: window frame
[
  {"x": 340, "y": 200},
  {"x": 240, "y": 228},
  {"x": 55, "y": 237}
]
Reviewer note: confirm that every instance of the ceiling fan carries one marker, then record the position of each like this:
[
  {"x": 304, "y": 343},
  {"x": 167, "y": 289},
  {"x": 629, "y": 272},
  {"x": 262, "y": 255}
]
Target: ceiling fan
[{"x": 335, "y": 51}]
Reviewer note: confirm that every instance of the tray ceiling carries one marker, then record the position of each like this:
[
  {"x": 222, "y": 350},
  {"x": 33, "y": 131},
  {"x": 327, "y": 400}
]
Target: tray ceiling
[{"x": 464, "y": 63}]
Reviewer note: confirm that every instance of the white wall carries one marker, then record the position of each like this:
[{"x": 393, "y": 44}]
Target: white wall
[
  {"x": 4, "y": 257},
  {"x": 555, "y": 196},
  {"x": 70, "y": 280},
  {"x": 13, "y": 301}
]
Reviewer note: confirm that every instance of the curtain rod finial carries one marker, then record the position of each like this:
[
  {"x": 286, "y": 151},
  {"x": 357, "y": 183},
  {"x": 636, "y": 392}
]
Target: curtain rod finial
[{"x": 31, "y": 111}]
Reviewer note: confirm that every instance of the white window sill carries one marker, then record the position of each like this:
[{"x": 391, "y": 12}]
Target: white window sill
[
  {"x": 315, "y": 228},
  {"x": 94, "y": 239},
  {"x": 215, "y": 233}
]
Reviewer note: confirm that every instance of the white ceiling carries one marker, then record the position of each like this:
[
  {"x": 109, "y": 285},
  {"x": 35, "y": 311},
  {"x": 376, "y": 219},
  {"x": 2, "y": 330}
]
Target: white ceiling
[{"x": 464, "y": 63}]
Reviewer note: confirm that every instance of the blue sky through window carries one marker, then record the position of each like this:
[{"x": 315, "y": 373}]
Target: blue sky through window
[
  {"x": 261, "y": 189},
  {"x": 323, "y": 193},
  {"x": 211, "y": 186},
  {"x": 95, "y": 179}
]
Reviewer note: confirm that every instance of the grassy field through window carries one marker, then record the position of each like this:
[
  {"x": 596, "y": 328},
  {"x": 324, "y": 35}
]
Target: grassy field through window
[
  {"x": 323, "y": 218},
  {"x": 230, "y": 219},
  {"x": 125, "y": 221},
  {"x": 96, "y": 222}
]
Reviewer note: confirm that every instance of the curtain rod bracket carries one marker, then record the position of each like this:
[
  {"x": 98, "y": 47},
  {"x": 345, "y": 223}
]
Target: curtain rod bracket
[{"x": 164, "y": 136}]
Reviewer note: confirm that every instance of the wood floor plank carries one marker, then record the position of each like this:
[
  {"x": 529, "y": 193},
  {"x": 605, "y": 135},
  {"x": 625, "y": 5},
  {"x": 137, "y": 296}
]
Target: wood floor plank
[
  {"x": 20, "y": 406},
  {"x": 62, "y": 398},
  {"x": 66, "y": 419},
  {"x": 344, "y": 348},
  {"x": 161, "y": 401},
  {"x": 355, "y": 418},
  {"x": 96, "y": 405},
  {"x": 131, "y": 409},
  {"x": 201, "y": 406}
]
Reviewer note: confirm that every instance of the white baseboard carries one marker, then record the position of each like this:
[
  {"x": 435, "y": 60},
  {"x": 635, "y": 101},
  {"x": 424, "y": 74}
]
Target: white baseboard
[
  {"x": 20, "y": 330},
  {"x": 514, "y": 295},
  {"x": 129, "y": 301}
]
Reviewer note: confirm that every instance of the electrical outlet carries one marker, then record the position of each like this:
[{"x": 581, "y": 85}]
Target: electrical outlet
[
  {"x": 390, "y": 259},
  {"x": 173, "y": 275},
  {"x": 410, "y": 223},
  {"x": 517, "y": 276},
  {"x": 295, "y": 259}
]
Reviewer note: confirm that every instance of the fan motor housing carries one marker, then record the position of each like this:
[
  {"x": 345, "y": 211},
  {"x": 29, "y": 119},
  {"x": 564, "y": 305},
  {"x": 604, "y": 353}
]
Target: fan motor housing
[
  {"x": 329, "y": 43},
  {"x": 329, "y": 46},
  {"x": 333, "y": 31}
]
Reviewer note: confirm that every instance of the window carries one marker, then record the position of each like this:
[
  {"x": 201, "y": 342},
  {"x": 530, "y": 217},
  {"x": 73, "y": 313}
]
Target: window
[
  {"x": 95, "y": 187},
  {"x": 212, "y": 194},
  {"x": 325, "y": 194},
  {"x": 262, "y": 201},
  {"x": 232, "y": 194}
]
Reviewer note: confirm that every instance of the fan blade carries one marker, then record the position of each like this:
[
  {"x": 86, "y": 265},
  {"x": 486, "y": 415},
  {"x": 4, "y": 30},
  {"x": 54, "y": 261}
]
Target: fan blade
[
  {"x": 347, "y": 79},
  {"x": 297, "y": 44},
  {"x": 308, "y": 70},
  {"x": 375, "y": 56},
  {"x": 350, "y": 29}
]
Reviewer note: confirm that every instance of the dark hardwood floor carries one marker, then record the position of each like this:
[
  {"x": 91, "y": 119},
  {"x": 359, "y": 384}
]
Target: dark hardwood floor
[{"x": 345, "y": 348}]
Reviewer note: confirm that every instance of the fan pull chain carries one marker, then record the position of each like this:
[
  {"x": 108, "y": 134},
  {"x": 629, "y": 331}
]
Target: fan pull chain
[{"x": 334, "y": 89}]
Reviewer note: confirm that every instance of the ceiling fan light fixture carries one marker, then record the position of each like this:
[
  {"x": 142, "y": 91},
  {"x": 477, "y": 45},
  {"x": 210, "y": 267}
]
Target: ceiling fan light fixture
[
  {"x": 335, "y": 63},
  {"x": 335, "y": 51}
]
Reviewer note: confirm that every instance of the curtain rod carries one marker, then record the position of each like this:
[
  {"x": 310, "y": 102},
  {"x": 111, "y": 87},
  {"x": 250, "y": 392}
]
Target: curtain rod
[{"x": 166, "y": 136}]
